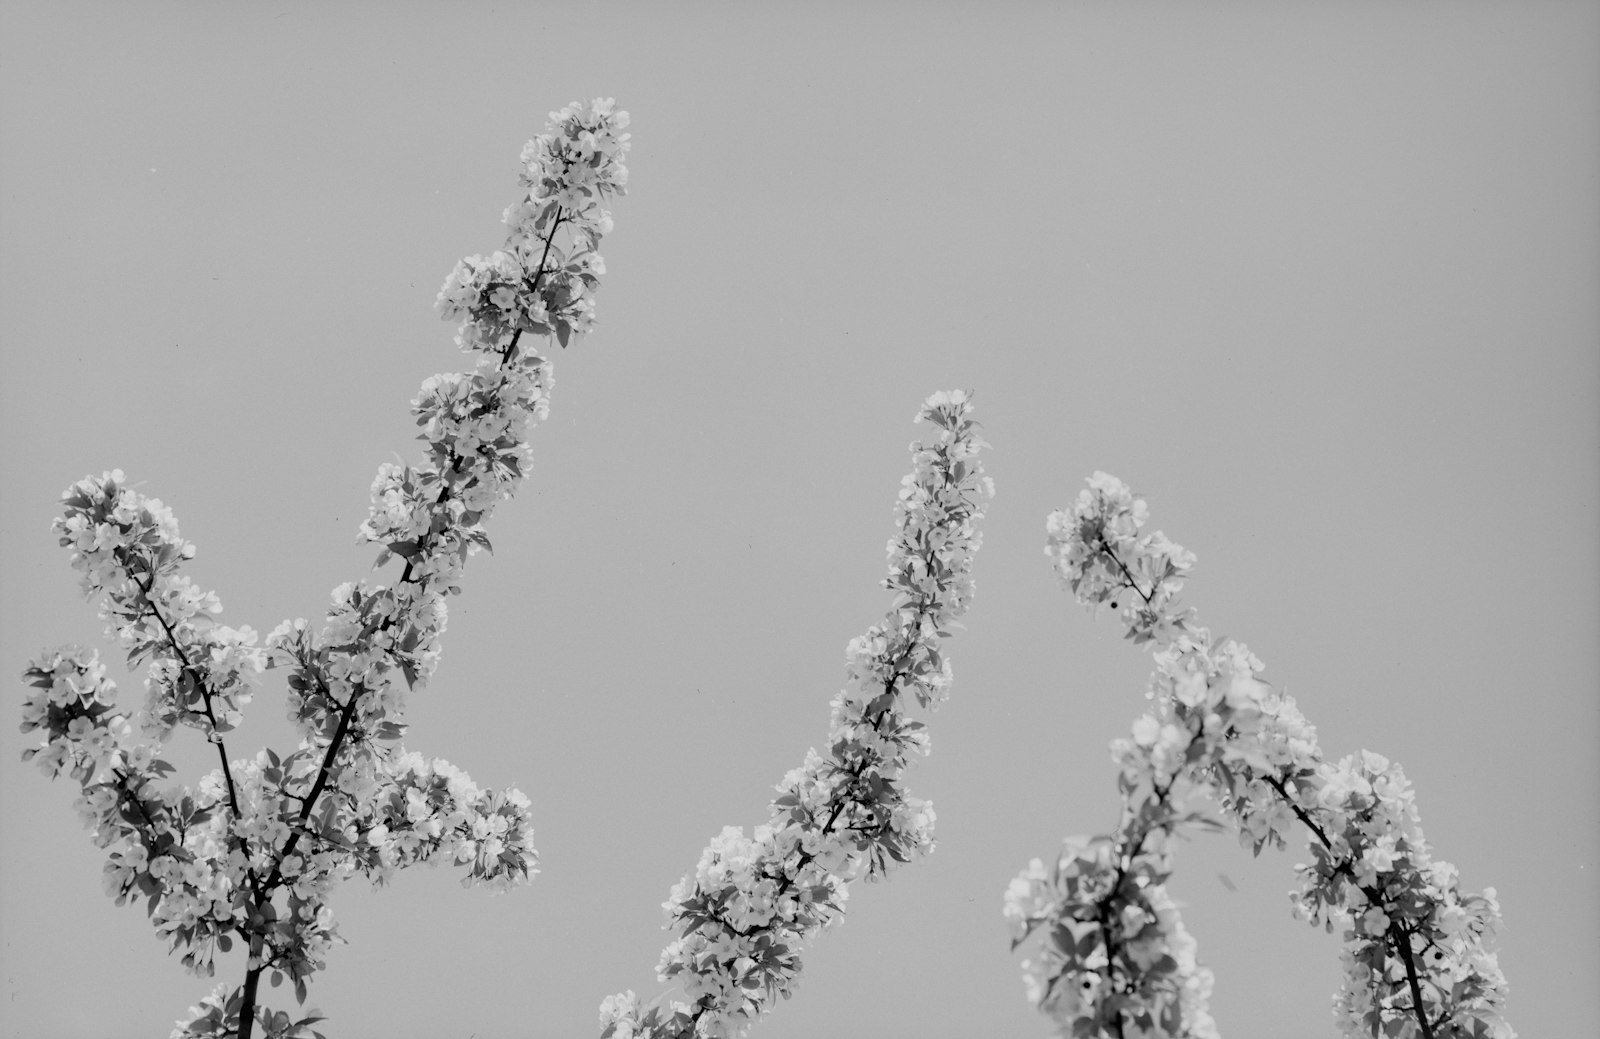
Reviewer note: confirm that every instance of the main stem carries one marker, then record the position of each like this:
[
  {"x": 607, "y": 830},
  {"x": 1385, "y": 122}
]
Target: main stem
[
  {"x": 1402, "y": 941},
  {"x": 257, "y": 963},
  {"x": 252, "y": 982}
]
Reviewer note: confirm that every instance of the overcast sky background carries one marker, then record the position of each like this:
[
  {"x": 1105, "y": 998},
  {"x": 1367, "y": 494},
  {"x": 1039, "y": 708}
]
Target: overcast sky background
[{"x": 1319, "y": 280}]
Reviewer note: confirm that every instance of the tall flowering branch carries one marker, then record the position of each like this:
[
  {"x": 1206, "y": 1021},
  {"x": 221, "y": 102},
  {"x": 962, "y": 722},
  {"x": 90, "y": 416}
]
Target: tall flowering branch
[
  {"x": 253, "y": 850},
  {"x": 753, "y": 901},
  {"x": 1418, "y": 953}
]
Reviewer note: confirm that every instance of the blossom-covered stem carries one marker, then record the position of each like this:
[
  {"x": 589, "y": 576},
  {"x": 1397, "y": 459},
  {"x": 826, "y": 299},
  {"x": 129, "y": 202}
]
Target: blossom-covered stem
[
  {"x": 1276, "y": 783},
  {"x": 475, "y": 427},
  {"x": 505, "y": 358},
  {"x": 330, "y": 756},
  {"x": 1104, "y": 910},
  {"x": 1127, "y": 575},
  {"x": 1345, "y": 866},
  {"x": 1230, "y": 733},
  {"x": 1136, "y": 969},
  {"x": 753, "y": 901},
  {"x": 533, "y": 289},
  {"x": 127, "y": 795},
  {"x": 308, "y": 804},
  {"x": 787, "y": 881},
  {"x": 1397, "y": 935},
  {"x": 256, "y": 964},
  {"x": 1106, "y": 907},
  {"x": 325, "y": 771},
  {"x": 544, "y": 256},
  {"x": 214, "y": 735},
  {"x": 406, "y": 577},
  {"x": 1402, "y": 941}
]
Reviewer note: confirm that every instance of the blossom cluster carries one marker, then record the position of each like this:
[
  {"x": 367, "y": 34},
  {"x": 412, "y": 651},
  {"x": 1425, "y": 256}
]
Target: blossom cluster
[
  {"x": 535, "y": 284},
  {"x": 254, "y": 849},
  {"x": 753, "y": 901},
  {"x": 128, "y": 549},
  {"x": 1117, "y": 958},
  {"x": 1418, "y": 953},
  {"x": 210, "y": 859},
  {"x": 1416, "y": 947},
  {"x": 75, "y": 704},
  {"x": 164, "y": 844},
  {"x": 423, "y": 807}
]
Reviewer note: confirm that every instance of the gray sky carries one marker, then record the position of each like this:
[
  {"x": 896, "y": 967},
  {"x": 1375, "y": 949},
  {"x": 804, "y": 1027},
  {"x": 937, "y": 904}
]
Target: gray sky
[{"x": 1318, "y": 280}]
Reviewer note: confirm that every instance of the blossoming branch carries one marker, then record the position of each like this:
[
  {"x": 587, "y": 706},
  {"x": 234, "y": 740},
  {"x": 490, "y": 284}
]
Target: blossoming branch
[
  {"x": 253, "y": 850},
  {"x": 754, "y": 901},
  {"x": 1418, "y": 953}
]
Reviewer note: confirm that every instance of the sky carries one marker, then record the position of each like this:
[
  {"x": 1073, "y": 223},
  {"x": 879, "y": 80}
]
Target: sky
[{"x": 1318, "y": 280}]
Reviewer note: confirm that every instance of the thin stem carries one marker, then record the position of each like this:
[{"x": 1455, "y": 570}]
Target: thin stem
[
  {"x": 533, "y": 287},
  {"x": 252, "y": 981},
  {"x": 1276, "y": 783},
  {"x": 1402, "y": 941},
  {"x": 215, "y": 736},
  {"x": 129, "y": 794},
  {"x": 1105, "y": 547},
  {"x": 310, "y": 800},
  {"x": 545, "y": 255}
]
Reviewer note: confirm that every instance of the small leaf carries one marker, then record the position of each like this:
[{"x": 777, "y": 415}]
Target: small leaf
[{"x": 403, "y": 549}]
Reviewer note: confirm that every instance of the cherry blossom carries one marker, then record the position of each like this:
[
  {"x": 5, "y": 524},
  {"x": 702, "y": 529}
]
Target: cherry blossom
[
  {"x": 1418, "y": 953},
  {"x": 753, "y": 901},
  {"x": 253, "y": 849}
]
